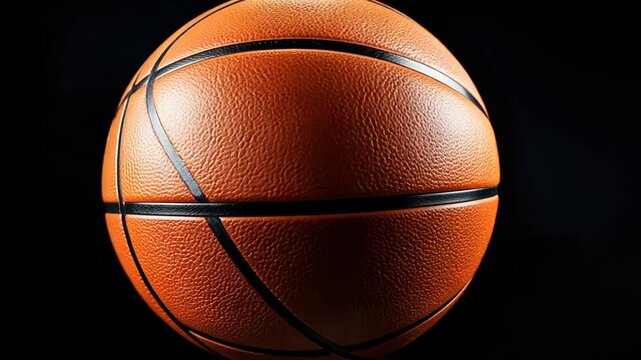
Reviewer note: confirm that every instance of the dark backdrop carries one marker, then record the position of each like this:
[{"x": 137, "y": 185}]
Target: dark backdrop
[{"x": 561, "y": 274}]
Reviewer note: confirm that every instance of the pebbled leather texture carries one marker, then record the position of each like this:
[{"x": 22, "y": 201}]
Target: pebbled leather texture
[
  {"x": 355, "y": 278},
  {"x": 119, "y": 241},
  {"x": 338, "y": 126},
  {"x": 146, "y": 172},
  {"x": 200, "y": 285},
  {"x": 287, "y": 125}
]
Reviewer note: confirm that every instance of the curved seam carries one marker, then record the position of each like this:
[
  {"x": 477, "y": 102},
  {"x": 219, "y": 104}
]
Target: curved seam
[
  {"x": 123, "y": 211},
  {"x": 378, "y": 341},
  {"x": 356, "y": 347},
  {"x": 268, "y": 296},
  {"x": 263, "y": 351},
  {"x": 176, "y": 160},
  {"x": 132, "y": 252},
  {"x": 342, "y": 47},
  {"x": 383, "y": 5},
  {"x": 216, "y": 225}
]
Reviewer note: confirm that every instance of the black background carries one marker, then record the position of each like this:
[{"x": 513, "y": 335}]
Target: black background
[{"x": 561, "y": 274}]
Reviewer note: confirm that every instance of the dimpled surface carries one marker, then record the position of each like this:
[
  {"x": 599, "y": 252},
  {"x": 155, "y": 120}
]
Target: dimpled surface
[
  {"x": 331, "y": 270},
  {"x": 121, "y": 246},
  {"x": 200, "y": 285},
  {"x": 340, "y": 126},
  {"x": 146, "y": 172},
  {"x": 295, "y": 124}
]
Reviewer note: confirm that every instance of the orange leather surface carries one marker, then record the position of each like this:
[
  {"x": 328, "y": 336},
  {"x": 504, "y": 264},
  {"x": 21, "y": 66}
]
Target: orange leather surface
[
  {"x": 117, "y": 235},
  {"x": 289, "y": 125},
  {"x": 146, "y": 172},
  {"x": 358, "y": 277},
  {"x": 358, "y": 21},
  {"x": 407, "y": 337},
  {"x": 200, "y": 285}
]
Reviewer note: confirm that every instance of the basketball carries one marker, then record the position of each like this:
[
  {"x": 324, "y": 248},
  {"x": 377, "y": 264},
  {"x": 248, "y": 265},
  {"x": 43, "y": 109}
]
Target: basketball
[{"x": 293, "y": 179}]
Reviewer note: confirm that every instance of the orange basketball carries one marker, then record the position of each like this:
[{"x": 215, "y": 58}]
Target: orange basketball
[{"x": 290, "y": 179}]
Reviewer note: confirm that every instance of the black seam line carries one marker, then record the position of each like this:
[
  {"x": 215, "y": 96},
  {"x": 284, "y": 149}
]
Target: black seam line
[
  {"x": 315, "y": 44},
  {"x": 122, "y": 202},
  {"x": 368, "y": 344},
  {"x": 216, "y": 225},
  {"x": 123, "y": 218},
  {"x": 357, "y": 347},
  {"x": 270, "y": 298},
  {"x": 305, "y": 208},
  {"x": 159, "y": 130}
]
